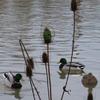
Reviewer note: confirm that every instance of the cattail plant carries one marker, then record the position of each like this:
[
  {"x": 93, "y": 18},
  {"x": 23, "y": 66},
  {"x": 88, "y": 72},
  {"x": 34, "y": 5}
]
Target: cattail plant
[
  {"x": 89, "y": 81},
  {"x": 28, "y": 71},
  {"x": 45, "y": 61},
  {"x": 29, "y": 74},
  {"x": 29, "y": 66},
  {"x": 73, "y": 5},
  {"x": 33, "y": 87},
  {"x": 30, "y": 62},
  {"x": 44, "y": 57},
  {"x": 47, "y": 35},
  {"x": 47, "y": 40},
  {"x": 90, "y": 96},
  {"x": 73, "y": 8}
]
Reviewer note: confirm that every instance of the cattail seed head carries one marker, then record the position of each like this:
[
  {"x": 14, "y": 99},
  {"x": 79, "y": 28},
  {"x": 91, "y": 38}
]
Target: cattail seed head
[
  {"x": 47, "y": 35},
  {"x": 30, "y": 62},
  {"x": 28, "y": 71},
  {"x": 73, "y": 5},
  {"x": 44, "y": 58}
]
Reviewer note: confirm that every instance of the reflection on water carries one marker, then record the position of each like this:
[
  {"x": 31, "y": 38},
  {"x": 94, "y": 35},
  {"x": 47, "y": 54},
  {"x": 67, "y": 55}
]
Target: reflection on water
[
  {"x": 15, "y": 93},
  {"x": 26, "y": 19}
]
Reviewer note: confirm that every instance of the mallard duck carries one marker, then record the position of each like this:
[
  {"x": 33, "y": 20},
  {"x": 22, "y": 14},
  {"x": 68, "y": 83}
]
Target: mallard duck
[
  {"x": 14, "y": 80},
  {"x": 76, "y": 67}
]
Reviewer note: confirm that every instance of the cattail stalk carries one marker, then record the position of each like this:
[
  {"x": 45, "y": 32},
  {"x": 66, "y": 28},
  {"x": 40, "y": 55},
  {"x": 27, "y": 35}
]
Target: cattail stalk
[
  {"x": 47, "y": 40},
  {"x": 35, "y": 89},
  {"x": 29, "y": 66},
  {"x": 49, "y": 73},
  {"x": 73, "y": 8},
  {"x": 45, "y": 60},
  {"x": 90, "y": 96},
  {"x": 32, "y": 89}
]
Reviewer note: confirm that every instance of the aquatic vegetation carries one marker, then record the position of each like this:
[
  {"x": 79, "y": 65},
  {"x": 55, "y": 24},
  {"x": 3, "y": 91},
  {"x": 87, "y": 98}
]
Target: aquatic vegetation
[
  {"x": 47, "y": 36},
  {"x": 89, "y": 81},
  {"x": 29, "y": 66},
  {"x": 45, "y": 58}
]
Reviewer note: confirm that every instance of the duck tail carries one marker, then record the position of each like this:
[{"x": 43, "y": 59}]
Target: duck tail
[{"x": 7, "y": 76}]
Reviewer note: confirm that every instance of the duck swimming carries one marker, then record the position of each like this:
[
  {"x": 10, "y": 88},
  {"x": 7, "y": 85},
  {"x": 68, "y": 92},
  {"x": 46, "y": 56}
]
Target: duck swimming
[
  {"x": 14, "y": 80},
  {"x": 76, "y": 67}
]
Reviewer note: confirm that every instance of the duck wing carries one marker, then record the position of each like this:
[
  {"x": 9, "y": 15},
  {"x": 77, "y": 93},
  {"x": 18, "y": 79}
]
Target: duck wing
[{"x": 76, "y": 64}]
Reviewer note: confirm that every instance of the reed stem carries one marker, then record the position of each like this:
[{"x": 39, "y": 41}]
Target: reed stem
[
  {"x": 22, "y": 44},
  {"x": 35, "y": 89},
  {"x": 46, "y": 68},
  {"x": 23, "y": 52},
  {"x": 32, "y": 89},
  {"x": 29, "y": 64},
  {"x": 73, "y": 42},
  {"x": 49, "y": 74}
]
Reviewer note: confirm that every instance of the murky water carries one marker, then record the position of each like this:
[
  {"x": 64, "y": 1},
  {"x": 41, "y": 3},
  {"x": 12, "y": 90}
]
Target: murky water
[{"x": 26, "y": 19}]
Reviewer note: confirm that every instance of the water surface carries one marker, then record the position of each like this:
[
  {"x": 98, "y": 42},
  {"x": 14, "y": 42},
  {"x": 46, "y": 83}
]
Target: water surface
[{"x": 26, "y": 19}]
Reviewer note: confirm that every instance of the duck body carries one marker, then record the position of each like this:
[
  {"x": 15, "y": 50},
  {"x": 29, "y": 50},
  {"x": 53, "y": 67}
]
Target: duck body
[
  {"x": 16, "y": 85},
  {"x": 13, "y": 81},
  {"x": 75, "y": 67}
]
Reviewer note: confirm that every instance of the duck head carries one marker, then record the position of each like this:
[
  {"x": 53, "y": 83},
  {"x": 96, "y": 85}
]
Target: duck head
[
  {"x": 18, "y": 77},
  {"x": 62, "y": 61}
]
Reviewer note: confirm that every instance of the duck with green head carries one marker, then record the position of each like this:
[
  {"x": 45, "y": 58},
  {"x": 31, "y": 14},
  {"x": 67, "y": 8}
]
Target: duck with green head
[
  {"x": 65, "y": 65},
  {"x": 14, "y": 80}
]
